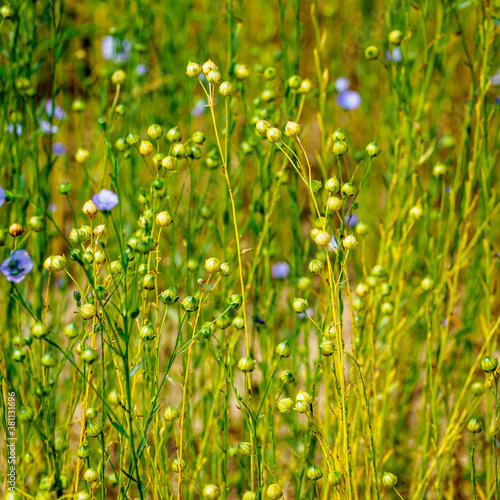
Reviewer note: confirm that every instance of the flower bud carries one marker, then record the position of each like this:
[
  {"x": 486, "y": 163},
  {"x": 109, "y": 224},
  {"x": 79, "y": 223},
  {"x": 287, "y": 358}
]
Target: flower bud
[
  {"x": 164, "y": 219},
  {"x": 226, "y": 89},
  {"x": 292, "y": 129},
  {"x": 146, "y": 148},
  {"x": 286, "y": 377},
  {"x": 373, "y": 149},
  {"x": 189, "y": 304},
  {"x": 314, "y": 473},
  {"x": 274, "y": 491},
  {"x": 211, "y": 492},
  {"x": 350, "y": 242},
  {"x": 285, "y": 405},
  {"x": 119, "y": 77},
  {"x": 241, "y": 71},
  {"x": 89, "y": 208},
  {"x": 193, "y": 70},
  {"x": 371, "y": 52},
  {"x": 335, "y": 478},
  {"x": 348, "y": 189},
  {"x": 262, "y": 126},
  {"x": 322, "y": 238},
  {"x": 273, "y": 134},
  {"x": 208, "y": 66},
  {"x": 169, "y": 163},
  {"x": 283, "y": 350},
  {"x": 171, "y": 414},
  {"x": 225, "y": 269},
  {"x": 214, "y": 76},
  {"x": 389, "y": 480},
  {"x": 212, "y": 265},
  {"x": 489, "y": 364},
  {"x": 55, "y": 263},
  {"x": 332, "y": 185},
  {"x": 395, "y": 37},
  {"x": 246, "y": 364}
]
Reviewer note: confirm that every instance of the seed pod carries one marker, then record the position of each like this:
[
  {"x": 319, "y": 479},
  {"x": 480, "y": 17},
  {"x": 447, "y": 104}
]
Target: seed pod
[
  {"x": 83, "y": 452},
  {"x": 348, "y": 189},
  {"x": 244, "y": 449},
  {"x": 314, "y": 473},
  {"x": 334, "y": 204},
  {"x": 332, "y": 185},
  {"x": 235, "y": 301},
  {"x": 338, "y": 135},
  {"x": 335, "y": 478},
  {"x": 292, "y": 129},
  {"x": 300, "y": 305},
  {"x": 48, "y": 360},
  {"x": 178, "y": 465},
  {"x": 274, "y": 491},
  {"x": 193, "y": 70},
  {"x": 350, "y": 242},
  {"x": 164, "y": 219},
  {"x": 89, "y": 208},
  {"x": 316, "y": 266},
  {"x": 149, "y": 282},
  {"x": 326, "y": 348},
  {"x": 241, "y": 71},
  {"x": 416, "y": 212},
  {"x": 294, "y": 81},
  {"x": 226, "y": 89},
  {"x": 211, "y": 491},
  {"x": 387, "y": 308},
  {"x": 212, "y": 265},
  {"x": 90, "y": 475},
  {"x": 223, "y": 321},
  {"x": 214, "y": 76},
  {"x": 189, "y": 304},
  {"x": 93, "y": 429},
  {"x": 171, "y": 414},
  {"x": 273, "y": 134},
  {"x": 155, "y": 132},
  {"x": 489, "y": 364},
  {"x": 249, "y": 495},
  {"x": 239, "y": 322},
  {"x": 395, "y": 37},
  {"x": 91, "y": 413},
  {"x": 389, "y": 480},
  {"x": 147, "y": 332},
  {"x": 39, "y": 330},
  {"x": 286, "y": 377},
  {"x": 16, "y": 230},
  {"x": 88, "y": 311},
  {"x": 26, "y": 414},
  {"x": 225, "y": 269},
  {"x": 340, "y": 148},
  {"x": 305, "y": 87},
  {"x": 427, "y": 284},
  {"x": 36, "y": 223},
  {"x": 169, "y": 296},
  {"x": 285, "y": 405},
  {"x": 371, "y": 52},
  {"x": 373, "y": 149},
  {"x": 119, "y": 77},
  {"x": 246, "y": 364},
  {"x": 262, "y": 126},
  {"x": 89, "y": 355}
]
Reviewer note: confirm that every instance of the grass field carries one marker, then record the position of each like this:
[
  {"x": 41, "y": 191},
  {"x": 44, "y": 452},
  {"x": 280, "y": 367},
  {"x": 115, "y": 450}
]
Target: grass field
[{"x": 249, "y": 250}]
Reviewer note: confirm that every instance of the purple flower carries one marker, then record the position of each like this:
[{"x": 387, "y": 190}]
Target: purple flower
[
  {"x": 447, "y": 189},
  {"x": 352, "y": 220},
  {"x": 309, "y": 312},
  {"x": 260, "y": 321},
  {"x": 280, "y": 270},
  {"x": 396, "y": 55},
  {"x": 114, "y": 50},
  {"x": 497, "y": 100},
  {"x": 333, "y": 246},
  {"x": 59, "y": 113},
  {"x": 105, "y": 200},
  {"x": 495, "y": 79},
  {"x": 52, "y": 207},
  {"x": 46, "y": 128},
  {"x": 199, "y": 107},
  {"x": 349, "y": 99},
  {"x": 59, "y": 149},
  {"x": 2, "y": 196},
  {"x": 18, "y": 128},
  {"x": 141, "y": 69},
  {"x": 341, "y": 84},
  {"x": 17, "y": 266}
]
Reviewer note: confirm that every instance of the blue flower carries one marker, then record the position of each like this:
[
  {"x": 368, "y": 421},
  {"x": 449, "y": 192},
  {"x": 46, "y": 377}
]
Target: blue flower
[
  {"x": 495, "y": 79},
  {"x": 341, "y": 84},
  {"x": 17, "y": 127},
  {"x": 349, "y": 99},
  {"x": 46, "y": 128},
  {"x": 351, "y": 220},
  {"x": 280, "y": 270},
  {"x": 17, "y": 266},
  {"x": 105, "y": 200},
  {"x": 59, "y": 149},
  {"x": 333, "y": 246},
  {"x": 114, "y": 50},
  {"x": 141, "y": 69},
  {"x": 59, "y": 113},
  {"x": 309, "y": 312},
  {"x": 396, "y": 55},
  {"x": 199, "y": 107},
  {"x": 2, "y": 196},
  {"x": 260, "y": 321}
]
